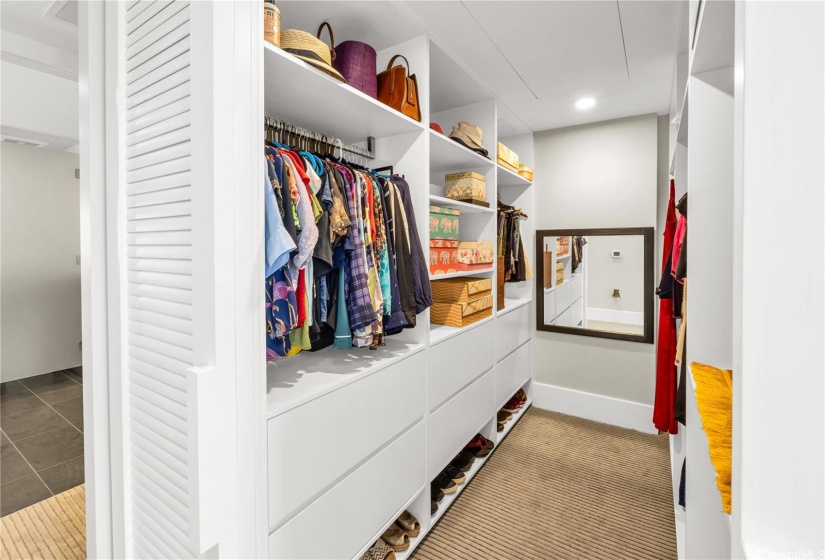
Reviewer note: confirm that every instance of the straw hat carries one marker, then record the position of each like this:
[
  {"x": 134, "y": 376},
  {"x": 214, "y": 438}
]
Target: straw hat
[
  {"x": 470, "y": 135},
  {"x": 310, "y": 49}
]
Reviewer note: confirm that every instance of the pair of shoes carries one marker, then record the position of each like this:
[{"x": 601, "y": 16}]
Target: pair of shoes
[
  {"x": 433, "y": 507},
  {"x": 436, "y": 493},
  {"x": 398, "y": 536},
  {"x": 379, "y": 551},
  {"x": 513, "y": 405},
  {"x": 445, "y": 483},
  {"x": 480, "y": 446},
  {"x": 502, "y": 418},
  {"x": 521, "y": 395},
  {"x": 464, "y": 460},
  {"x": 378, "y": 340}
]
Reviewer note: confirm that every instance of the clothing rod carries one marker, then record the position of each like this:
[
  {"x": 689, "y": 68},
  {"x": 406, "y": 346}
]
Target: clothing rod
[{"x": 293, "y": 130}]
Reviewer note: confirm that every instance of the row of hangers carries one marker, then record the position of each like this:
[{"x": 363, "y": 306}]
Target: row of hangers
[{"x": 314, "y": 144}]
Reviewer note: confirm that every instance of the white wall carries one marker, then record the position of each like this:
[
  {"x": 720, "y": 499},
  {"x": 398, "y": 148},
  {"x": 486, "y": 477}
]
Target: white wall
[
  {"x": 600, "y": 175},
  {"x": 39, "y": 274},
  {"x": 626, "y": 274}
]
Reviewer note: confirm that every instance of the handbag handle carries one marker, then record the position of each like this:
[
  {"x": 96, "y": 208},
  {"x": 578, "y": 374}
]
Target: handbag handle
[
  {"x": 331, "y": 38},
  {"x": 389, "y": 66}
]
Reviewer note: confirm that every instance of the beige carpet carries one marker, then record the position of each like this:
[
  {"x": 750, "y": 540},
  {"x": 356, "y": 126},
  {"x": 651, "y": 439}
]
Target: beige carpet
[
  {"x": 53, "y": 528},
  {"x": 561, "y": 487}
]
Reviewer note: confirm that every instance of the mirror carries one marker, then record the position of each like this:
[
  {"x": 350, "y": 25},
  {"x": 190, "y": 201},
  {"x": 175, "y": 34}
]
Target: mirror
[{"x": 596, "y": 282}]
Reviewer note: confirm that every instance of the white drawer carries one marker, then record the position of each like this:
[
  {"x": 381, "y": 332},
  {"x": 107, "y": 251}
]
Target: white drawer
[
  {"x": 457, "y": 361},
  {"x": 512, "y": 330},
  {"x": 576, "y": 285},
  {"x": 577, "y": 311},
  {"x": 549, "y": 307},
  {"x": 343, "y": 520},
  {"x": 313, "y": 445},
  {"x": 512, "y": 373},
  {"x": 563, "y": 298},
  {"x": 565, "y": 319},
  {"x": 454, "y": 424}
]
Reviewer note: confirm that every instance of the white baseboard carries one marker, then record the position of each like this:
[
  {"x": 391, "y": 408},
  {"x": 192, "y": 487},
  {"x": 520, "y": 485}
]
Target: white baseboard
[
  {"x": 615, "y": 316},
  {"x": 599, "y": 408}
]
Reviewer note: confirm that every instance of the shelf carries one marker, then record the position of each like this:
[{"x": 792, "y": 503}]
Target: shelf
[
  {"x": 440, "y": 333},
  {"x": 507, "y": 178},
  {"x": 465, "y": 207},
  {"x": 450, "y": 498},
  {"x": 291, "y": 382},
  {"x": 302, "y": 95},
  {"x": 560, "y": 257},
  {"x": 448, "y": 156},
  {"x": 461, "y": 273},
  {"x": 714, "y": 38},
  {"x": 511, "y": 304},
  {"x": 513, "y": 421}
]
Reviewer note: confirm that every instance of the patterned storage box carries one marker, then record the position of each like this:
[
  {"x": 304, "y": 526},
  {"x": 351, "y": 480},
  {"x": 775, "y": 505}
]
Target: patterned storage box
[
  {"x": 468, "y": 185},
  {"x": 443, "y": 256},
  {"x": 475, "y": 252},
  {"x": 508, "y": 158},
  {"x": 444, "y": 222},
  {"x": 464, "y": 313},
  {"x": 454, "y": 290},
  {"x": 525, "y": 171}
]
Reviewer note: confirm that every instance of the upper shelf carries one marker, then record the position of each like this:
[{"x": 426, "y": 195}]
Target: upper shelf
[
  {"x": 507, "y": 178},
  {"x": 302, "y": 95},
  {"x": 714, "y": 38},
  {"x": 464, "y": 207},
  {"x": 449, "y": 156}
]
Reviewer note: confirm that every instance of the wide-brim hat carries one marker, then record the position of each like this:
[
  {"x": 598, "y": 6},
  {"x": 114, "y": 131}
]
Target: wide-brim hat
[
  {"x": 470, "y": 135},
  {"x": 310, "y": 49}
]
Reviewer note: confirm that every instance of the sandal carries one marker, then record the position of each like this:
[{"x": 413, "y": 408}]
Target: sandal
[
  {"x": 456, "y": 474},
  {"x": 513, "y": 405},
  {"x": 521, "y": 395},
  {"x": 480, "y": 446},
  {"x": 464, "y": 461},
  {"x": 446, "y": 483},
  {"x": 409, "y": 524},
  {"x": 396, "y": 538},
  {"x": 499, "y": 427},
  {"x": 433, "y": 507},
  {"x": 436, "y": 493},
  {"x": 379, "y": 552},
  {"x": 503, "y": 416}
]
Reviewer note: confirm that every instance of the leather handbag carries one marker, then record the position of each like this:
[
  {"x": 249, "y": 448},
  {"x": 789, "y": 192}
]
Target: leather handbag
[{"x": 398, "y": 90}]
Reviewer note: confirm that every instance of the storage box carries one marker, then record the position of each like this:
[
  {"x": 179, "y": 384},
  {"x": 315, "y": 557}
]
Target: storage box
[
  {"x": 461, "y": 314},
  {"x": 466, "y": 186},
  {"x": 475, "y": 252},
  {"x": 500, "y": 282},
  {"x": 443, "y": 256},
  {"x": 444, "y": 222},
  {"x": 525, "y": 171},
  {"x": 454, "y": 290},
  {"x": 508, "y": 158}
]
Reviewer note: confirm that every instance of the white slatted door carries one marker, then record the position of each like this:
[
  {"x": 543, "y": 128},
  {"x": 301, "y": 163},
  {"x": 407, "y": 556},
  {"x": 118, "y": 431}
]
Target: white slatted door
[{"x": 157, "y": 164}]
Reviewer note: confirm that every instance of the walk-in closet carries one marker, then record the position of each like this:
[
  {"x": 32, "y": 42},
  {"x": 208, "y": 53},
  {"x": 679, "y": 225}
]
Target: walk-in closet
[{"x": 409, "y": 280}]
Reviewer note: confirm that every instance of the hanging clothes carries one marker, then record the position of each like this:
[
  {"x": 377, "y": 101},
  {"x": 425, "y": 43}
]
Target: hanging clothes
[
  {"x": 510, "y": 246},
  {"x": 344, "y": 262},
  {"x": 666, "y": 383}
]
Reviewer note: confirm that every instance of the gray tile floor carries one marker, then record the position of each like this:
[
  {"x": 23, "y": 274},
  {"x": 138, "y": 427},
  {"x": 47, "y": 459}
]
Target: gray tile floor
[{"x": 41, "y": 438}]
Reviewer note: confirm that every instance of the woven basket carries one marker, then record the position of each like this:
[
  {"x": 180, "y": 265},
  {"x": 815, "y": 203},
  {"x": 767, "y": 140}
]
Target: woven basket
[{"x": 356, "y": 62}]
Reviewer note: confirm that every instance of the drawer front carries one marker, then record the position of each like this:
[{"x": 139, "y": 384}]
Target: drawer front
[
  {"x": 549, "y": 307},
  {"x": 313, "y": 445},
  {"x": 576, "y": 285},
  {"x": 577, "y": 311},
  {"x": 512, "y": 330},
  {"x": 513, "y": 373},
  {"x": 563, "y": 298},
  {"x": 454, "y": 424},
  {"x": 343, "y": 520},
  {"x": 457, "y": 361}
]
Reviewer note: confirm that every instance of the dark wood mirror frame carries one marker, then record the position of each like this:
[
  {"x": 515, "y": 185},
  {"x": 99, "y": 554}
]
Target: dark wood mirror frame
[{"x": 647, "y": 233}]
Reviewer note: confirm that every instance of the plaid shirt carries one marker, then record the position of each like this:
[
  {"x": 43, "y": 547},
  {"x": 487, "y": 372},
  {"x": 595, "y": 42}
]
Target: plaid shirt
[{"x": 361, "y": 310}]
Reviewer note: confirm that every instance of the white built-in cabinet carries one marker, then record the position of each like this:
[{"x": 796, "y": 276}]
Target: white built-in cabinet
[{"x": 747, "y": 122}]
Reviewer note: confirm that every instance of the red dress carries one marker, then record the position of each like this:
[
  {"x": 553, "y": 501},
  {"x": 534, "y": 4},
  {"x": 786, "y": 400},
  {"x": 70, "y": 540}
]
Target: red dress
[{"x": 666, "y": 379}]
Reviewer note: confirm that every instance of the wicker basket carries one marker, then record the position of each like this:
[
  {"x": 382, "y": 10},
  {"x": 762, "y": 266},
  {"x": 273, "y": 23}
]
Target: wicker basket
[
  {"x": 460, "y": 289},
  {"x": 468, "y": 185}
]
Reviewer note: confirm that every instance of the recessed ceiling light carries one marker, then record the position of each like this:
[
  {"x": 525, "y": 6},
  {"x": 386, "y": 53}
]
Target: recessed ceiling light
[{"x": 585, "y": 103}]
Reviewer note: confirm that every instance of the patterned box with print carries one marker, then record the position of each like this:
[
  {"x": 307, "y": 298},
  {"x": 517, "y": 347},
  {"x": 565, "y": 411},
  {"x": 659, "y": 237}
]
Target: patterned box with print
[
  {"x": 444, "y": 223},
  {"x": 443, "y": 256},
  {"x": 468, "y": 185}
]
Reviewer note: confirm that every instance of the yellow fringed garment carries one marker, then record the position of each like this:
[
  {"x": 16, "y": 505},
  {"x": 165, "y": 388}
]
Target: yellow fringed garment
[{"x": 714, "y": 398}]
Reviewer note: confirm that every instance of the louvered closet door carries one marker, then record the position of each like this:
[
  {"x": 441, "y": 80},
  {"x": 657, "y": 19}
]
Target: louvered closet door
[{"x": 157, "y": 166}]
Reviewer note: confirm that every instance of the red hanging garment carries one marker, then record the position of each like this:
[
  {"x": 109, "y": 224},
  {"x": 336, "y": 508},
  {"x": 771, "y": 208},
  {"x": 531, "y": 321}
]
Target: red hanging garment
[{"x": 666, "y": 379}]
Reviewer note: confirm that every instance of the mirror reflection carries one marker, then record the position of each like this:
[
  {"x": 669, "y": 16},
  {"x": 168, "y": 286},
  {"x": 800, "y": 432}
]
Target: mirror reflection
[{"x": 594, "y": 280}]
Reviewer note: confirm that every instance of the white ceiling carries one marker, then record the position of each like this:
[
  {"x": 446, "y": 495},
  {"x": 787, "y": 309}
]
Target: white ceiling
[{"x": 29, "y": 18}]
